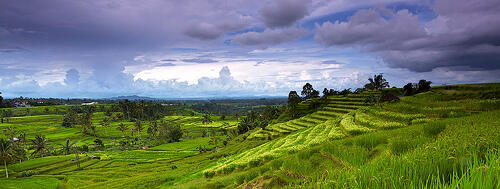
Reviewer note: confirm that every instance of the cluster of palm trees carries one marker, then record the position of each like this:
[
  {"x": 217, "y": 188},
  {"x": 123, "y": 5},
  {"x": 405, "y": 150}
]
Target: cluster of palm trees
[{"x": 15, "y": 149}]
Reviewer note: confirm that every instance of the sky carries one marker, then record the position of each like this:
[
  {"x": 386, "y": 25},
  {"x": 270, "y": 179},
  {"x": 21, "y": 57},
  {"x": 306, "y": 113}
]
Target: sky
[{"x": 240, "y": 48}]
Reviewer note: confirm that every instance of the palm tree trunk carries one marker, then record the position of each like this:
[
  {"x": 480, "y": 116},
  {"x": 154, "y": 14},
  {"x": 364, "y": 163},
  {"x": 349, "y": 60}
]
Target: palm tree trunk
[
  {"x": 106, "y": 130},
  {"x": 6, "y": 171},
  {"x": 77, "y": 161}
]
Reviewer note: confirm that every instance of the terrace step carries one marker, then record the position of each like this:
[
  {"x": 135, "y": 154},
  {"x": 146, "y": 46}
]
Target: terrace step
[
  {"x": 298, "y": 124},
  {"x": 348, "y": 103},
  {"x": 311, "y": 120},
  {"x": 344, "y": 106},
  {"x": 339, "y": 110},
  {"x": 295, "y": 126},
  {"x": 320, "y": 116},
  {"x": 329, "y": 113}
]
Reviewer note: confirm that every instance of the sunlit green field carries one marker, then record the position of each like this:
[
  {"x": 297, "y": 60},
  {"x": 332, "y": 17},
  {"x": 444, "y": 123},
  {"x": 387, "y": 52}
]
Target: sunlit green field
[{"x": 445, "y": 138}]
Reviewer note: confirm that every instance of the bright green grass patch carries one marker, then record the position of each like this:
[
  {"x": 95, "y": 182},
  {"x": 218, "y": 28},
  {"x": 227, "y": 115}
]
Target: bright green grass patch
[
  {"x": 184, "y": 145},
  {"x": 144, "y": 155},
  {"x": 368, "y": 121},
  {"x": 352, "y": 128},
  {"x": 29, "y": 183},
  {"x": 393, "y": 116},
  {"x": 39, "y": 162}
]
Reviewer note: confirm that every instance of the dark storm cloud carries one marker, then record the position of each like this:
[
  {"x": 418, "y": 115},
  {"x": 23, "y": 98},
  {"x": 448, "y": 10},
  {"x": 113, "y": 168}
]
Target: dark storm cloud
[
  {"x": 199, "y": 60},
  {"x": 203, "y": 31},
  {"x": 213, "y": 30},
  {"x": 284, "y": 12},
  {"x": 118, "y": 24},
  {"x": 270, "y": 37},
  {"x": 464, "y": 36}
]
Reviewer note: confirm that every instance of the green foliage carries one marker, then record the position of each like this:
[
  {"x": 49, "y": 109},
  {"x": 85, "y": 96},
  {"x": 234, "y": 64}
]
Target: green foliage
[
  {"x": 432, "y": 129},
  {"x": 378, "y": 82},
  {"x": 370, "y": 141},
  {"x": 309, "y": 92},
  {"x": 170, "y": 132},
  {"x": 444, "y": 138},
  {"x": 30, "y": 182},
  {"x": 70, "y": 118}
]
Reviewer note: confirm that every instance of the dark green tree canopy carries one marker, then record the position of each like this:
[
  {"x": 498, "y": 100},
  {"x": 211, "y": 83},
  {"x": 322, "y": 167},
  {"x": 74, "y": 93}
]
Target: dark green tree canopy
[
  {"x": 378, "y": 82},
  {"x": 309, "y": 92},
  {"x": 293, "y": 98}
]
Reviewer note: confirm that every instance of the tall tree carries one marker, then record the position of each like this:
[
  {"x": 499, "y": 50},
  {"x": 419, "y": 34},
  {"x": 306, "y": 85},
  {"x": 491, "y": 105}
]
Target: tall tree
[
  {"x": 378, "y": 82},
  {"x": 1, "y": 101},
  {"x": 423, "y": 86},
  {"x": 307, "y": 91},
  {"x": 293, "y": 100},
  {"x": 153, "y": 129},
  {"x": 22, "y": 139},
  {"x": 170, "y": 132},
  {"x": 122, "y": 127},
  {"x": 5, "y": 153},
  {"x": 206, "y": 119},
  {"x": 67, "y": 147},
  {"x": 326, "y": 92},
  {"x": 138, "y": 127},
  {"x": 39, "y": 145},
  {"x": 70, "y": 118},
  {"x": 105, "y": 123},
  {"x": 86, "y": 121}
]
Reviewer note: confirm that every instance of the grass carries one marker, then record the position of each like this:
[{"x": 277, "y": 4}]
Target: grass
[
  {"x": 29, "y": 182},
  {"x": 445, "y": 138}
]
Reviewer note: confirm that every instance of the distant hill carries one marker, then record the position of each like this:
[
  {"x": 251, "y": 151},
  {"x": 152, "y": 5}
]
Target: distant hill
[{"x": 132, "y": 97}]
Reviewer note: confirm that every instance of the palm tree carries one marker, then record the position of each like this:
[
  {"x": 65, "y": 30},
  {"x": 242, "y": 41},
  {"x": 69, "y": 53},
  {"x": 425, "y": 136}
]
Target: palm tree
[
  {"x": 153, "y": 129},
  {"x": 378, "y": 82},
  {"x": 10, "y": 132},
  {"x": 206, "y": 119},
  {"x": 105, "y": 124},
  {"x": 22, "y": 138},
  {"x": 122, "y": 127},
  {"x": 18, "y": 152},
  {"x": 5, "y": 153},
  {"x": 138, "y": 127},
  {"x": 67, "y": 146},
  {"x": 39, "y": 145}
]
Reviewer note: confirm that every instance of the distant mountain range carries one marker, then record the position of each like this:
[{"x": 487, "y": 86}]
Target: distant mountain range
[
  {"x": 132, "y": 97},
  {"x": 136, "y": 97}
]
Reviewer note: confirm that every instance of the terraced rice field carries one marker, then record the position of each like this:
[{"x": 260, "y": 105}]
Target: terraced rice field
[
  {"x": 275, "y": 148},
  {"x": 308, "y": 130},
  {"x": 343, "y": 117},
  {"x": 335, "y": 107}
]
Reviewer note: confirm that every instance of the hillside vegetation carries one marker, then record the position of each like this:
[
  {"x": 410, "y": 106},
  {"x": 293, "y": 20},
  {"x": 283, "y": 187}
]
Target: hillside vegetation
[{"x": 447, "y": 137}]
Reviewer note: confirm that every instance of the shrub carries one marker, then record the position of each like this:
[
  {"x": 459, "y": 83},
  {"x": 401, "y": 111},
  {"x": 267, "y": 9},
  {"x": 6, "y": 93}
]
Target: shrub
[
  {"x": 228, "y": 169},
  {"x": 389, "y": 98},
  {"x": 240, "y": 179},
  {"x": 254, "y": 162},
  {"x": 28, "y": 173},
  {"x": 170, "y": 132},
  {"x": 251, "y": 175},
  {"x": 241, "y": 166},
  {"x": 208, "y": 174}
]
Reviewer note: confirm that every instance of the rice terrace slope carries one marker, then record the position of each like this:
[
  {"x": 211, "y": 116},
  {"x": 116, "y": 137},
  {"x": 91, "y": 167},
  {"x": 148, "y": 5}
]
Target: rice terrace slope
[{"x": 446, "y": 137}]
